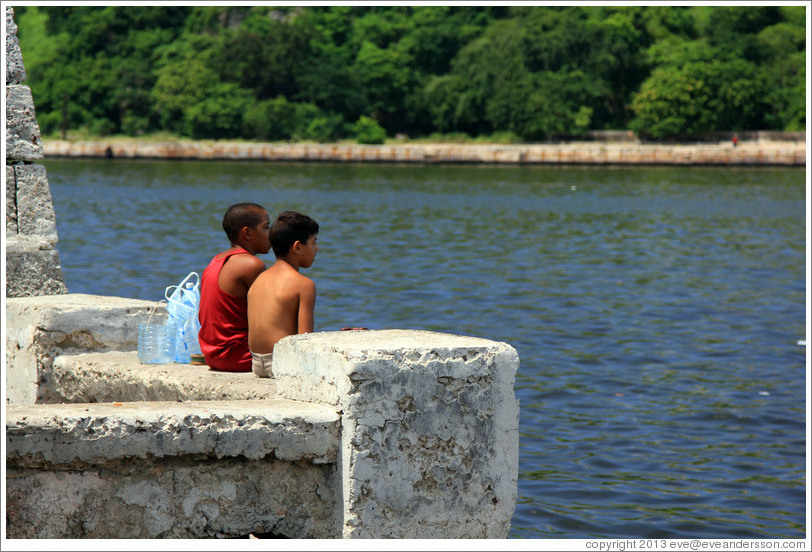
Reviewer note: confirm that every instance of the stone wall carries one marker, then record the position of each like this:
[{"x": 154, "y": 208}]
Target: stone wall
[
  {"x": 362, "y": 434},
  {"x": 751, "y": 153},
  {"x": 32, "y": 261}
]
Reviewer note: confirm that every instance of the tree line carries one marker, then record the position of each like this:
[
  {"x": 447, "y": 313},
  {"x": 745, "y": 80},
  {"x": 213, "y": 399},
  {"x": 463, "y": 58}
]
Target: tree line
[{"x": 515, "y": 73}]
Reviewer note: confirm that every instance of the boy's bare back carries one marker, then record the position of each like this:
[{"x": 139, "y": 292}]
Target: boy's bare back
[{"x": 281, "y": 302}]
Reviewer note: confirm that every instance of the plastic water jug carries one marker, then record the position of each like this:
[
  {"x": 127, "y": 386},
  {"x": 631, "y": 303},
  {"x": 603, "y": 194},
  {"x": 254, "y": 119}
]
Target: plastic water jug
[{"x": 156, "y": 342}]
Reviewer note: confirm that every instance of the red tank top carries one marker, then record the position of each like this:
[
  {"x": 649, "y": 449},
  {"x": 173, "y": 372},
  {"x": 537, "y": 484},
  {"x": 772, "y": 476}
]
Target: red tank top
[{"x": 223, "y": 322}]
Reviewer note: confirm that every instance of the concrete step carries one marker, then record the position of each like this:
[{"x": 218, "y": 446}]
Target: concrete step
[
  {"x": 119, "y": 377},
  {"x": 195, "y": 469},
  {"x": 73, "y": 435}
]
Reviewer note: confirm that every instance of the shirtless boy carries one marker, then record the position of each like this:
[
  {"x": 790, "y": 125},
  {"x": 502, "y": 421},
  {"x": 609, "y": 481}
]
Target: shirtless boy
[
  {"x": 224, "y": 289},
  {"x": 281, "y": 301}
]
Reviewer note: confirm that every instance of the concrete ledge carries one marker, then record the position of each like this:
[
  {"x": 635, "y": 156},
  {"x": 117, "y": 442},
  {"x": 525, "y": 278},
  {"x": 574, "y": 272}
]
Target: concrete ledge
[
  {"x": 77, "y": 435},
  {"x": 119, "y": 376},
  {"x": 43, "y": 327},
  {"x": 112, "y": 321},
  {"x": 358, "y": 356},
  {"x": 171, "y": 470}
]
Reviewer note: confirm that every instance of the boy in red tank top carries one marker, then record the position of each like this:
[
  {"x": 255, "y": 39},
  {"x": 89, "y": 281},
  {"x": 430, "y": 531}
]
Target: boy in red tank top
[{"x": 224, "y": 287}]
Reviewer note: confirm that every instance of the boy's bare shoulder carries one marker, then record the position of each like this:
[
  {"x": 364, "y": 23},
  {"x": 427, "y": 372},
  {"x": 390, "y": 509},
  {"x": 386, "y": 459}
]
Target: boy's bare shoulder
[{"x": 304, "y": 281}]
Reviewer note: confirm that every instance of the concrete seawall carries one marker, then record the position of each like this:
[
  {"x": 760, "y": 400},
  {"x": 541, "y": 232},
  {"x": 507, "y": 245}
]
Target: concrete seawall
[
  {"x": 755, "y": 153},
  {"x": 367, "y": 434}
]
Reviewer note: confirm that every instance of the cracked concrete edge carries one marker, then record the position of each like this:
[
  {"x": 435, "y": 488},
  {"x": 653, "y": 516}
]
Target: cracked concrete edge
[{"x": 74, "y": 435}]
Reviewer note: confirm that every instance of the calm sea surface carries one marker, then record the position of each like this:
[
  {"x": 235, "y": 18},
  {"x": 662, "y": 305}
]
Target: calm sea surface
[{"x": 656, "y": 311}]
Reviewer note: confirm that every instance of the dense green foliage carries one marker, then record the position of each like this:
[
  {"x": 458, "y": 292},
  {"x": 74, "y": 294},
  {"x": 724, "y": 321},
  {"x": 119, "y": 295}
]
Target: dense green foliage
[{"x": 328, "y": 73}]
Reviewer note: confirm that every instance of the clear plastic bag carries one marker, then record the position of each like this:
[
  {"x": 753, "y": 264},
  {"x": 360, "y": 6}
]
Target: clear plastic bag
[{"x": 183, "y": 303}]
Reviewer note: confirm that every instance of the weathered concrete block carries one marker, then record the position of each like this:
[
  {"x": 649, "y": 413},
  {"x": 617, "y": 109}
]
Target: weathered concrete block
[
  {"x": 11, "y": 203},
  {"x": 32, "y": 267},
  {"x": 163, "y": 470},
  {"x": 23, "y": 140},
  {"x": 35, "y": 209},
  {"x": 15, "y": 70},
  {"x": 429, "y": 428},
  {"x": 42, "y": 327}
]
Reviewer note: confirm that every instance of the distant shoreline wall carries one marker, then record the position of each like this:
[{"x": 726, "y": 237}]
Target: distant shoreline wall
[{"x": 757, "y": 153}]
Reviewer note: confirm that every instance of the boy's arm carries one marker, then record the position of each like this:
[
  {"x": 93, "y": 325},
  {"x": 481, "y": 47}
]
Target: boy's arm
[{"x": 307, "y": 306}]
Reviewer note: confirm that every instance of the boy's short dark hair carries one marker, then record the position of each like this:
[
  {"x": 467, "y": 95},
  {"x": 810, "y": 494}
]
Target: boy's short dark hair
[
  {"x": 290, "y": 227},
  {"x": 239, "y": 216}
]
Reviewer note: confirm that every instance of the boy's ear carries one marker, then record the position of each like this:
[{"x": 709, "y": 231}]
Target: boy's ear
[
  {"x": 244, "y": 235},
  {"x": 296, "y": 247}
]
